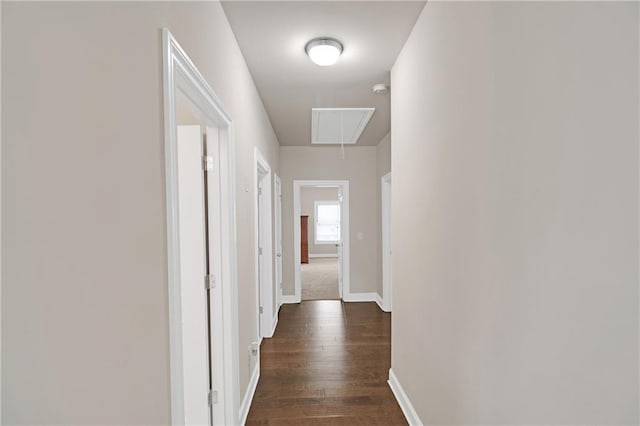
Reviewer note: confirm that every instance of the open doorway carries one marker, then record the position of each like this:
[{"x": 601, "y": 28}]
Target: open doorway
[
  {"x": 320, "y": 242},
  {"x": 321, "y": 239}
]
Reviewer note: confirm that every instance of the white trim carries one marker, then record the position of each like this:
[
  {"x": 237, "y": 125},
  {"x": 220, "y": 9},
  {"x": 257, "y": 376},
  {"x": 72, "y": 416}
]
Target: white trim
[
  {"x": 344, "y": 232},
  {"x": 379, "y": 302},
  {"x": 360, "y": 297},
  {"x": 387, "y": 241},
  {"x": 288, "y": 299},
  {"x": 264, "y": 282},
  {"x": 318, "y": 255},
  {"x": 181, "y": 77},
  {"x": 274, "y": 321},
  {"x": 403, "y": 400},
  {"x": 248, "y": 396}
]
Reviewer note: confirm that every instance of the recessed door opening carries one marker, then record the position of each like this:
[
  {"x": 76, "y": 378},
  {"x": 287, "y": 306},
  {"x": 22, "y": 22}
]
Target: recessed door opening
[
  {"x": 321, "y": 239},
  {"x": 202, "y": 283}
]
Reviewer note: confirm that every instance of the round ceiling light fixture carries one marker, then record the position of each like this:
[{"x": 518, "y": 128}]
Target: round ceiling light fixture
[{"x": 324, "y": 51}]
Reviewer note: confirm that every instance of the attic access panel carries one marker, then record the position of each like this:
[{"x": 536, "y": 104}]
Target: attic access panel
[{"x": 338, "y": 125}]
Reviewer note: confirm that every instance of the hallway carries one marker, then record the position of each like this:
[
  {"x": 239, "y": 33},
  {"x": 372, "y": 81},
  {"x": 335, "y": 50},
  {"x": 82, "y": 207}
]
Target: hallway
[{"x": 327, "y": 363}]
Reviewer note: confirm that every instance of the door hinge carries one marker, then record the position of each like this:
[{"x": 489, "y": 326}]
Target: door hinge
[
  {"x": 207, "y": 162},
  {"x": 261, "y": 310},
  {"x": 209, "y": 282},
  {"x": 259, "y": 250},
  {"x": 259, "y": 191},
  {"x": 213, "y": 397}
]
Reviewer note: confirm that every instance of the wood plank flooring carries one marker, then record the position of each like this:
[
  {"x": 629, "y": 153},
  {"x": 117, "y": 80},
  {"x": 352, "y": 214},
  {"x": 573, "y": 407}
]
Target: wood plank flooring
[{"x": 327, "y": 364}]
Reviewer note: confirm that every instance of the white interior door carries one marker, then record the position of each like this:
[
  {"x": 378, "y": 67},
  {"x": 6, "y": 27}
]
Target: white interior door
[
  {"x": 339, "y": 246},
  {"x": 278, "y": 224},
  {"x": 214, "y": 232},
  {"x": 386, "y": 243},
  {"x": 195, "y": 361},
  {"x": 260, "y": 259},
  {"x": 266, "y": 294}
]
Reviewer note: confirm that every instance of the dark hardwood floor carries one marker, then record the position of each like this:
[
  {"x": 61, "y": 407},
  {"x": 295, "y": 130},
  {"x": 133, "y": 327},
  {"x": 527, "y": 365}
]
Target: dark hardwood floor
[{"x": 327, "y": 364}]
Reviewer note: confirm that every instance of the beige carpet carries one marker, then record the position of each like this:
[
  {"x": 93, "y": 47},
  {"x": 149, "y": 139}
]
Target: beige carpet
[{"x": 320, "y": 279}]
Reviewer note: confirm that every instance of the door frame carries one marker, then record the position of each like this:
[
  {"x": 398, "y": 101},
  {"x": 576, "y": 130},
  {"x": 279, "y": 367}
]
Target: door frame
[
  {"x": 263, "y": 263},
  {"x": 385, "y": 192},
  {"x": 182, "y": 78},
  {"x": 345, "y": 291}
]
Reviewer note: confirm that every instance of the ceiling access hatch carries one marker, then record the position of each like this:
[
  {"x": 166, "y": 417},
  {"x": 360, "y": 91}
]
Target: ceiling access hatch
[{"x": 338, "y": 125}]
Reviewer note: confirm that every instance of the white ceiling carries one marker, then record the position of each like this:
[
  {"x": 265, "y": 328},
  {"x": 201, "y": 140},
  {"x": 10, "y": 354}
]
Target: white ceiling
[{"x": 272, "y": 36}]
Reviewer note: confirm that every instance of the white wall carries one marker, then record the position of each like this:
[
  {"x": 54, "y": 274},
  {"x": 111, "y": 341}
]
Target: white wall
[
  {"x": 515, "y": 213},
  {"x": 324, "y": 163},
  {"x": 308, "y": 197},
  {"x": 84, "y": 303}
]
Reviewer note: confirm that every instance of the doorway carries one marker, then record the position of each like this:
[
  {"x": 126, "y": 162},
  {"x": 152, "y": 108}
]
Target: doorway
[
  {"x": 321, "y": 211},
  {"x": 202, "y": 298},
  {"x": 320, "y": 241}
]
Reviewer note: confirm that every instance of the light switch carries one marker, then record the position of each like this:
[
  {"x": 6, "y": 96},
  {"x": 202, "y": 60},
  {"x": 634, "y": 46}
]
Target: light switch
[{"x": 360, "y": 236}]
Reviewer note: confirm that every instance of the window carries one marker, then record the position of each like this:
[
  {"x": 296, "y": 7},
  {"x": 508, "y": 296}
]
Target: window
[{"x": 327, "y": 222}]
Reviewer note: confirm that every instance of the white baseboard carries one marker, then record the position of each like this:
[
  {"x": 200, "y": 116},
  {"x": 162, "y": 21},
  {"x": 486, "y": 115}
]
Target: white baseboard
[
  {"x": 379, "y": 301},
  {"x": 403, "y": 400},
  {"x": 381, "y": 304},
  {"x": 315, "y": 255},
  {"x": 290, "y": 299},
  {"x": 360, "y": 297},
  {"x": 275, "y": 324},
  {"x": 251, "y": 390}
]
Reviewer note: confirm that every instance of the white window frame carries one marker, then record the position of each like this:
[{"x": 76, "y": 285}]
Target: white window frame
[{"x": 315, "y": 221}]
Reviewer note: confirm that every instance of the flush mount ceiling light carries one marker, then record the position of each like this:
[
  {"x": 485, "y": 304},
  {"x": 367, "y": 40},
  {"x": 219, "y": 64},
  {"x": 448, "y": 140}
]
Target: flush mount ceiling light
[{"x": 324, "y": 51}]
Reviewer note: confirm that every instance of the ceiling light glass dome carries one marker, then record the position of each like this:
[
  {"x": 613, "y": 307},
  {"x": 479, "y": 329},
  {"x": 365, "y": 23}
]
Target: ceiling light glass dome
[{"x": 324, "y": 51}]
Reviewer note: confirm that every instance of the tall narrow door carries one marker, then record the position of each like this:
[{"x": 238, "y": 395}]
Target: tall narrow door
[
  {"x": 340, "y": 246},
  {"x": 260, "y": 259},
  {"x": 193, "y": 270},
  {"x": 386, "y": 244},
  {"x": 213, "y": 210},
  {"x": 278, "y": 225}
]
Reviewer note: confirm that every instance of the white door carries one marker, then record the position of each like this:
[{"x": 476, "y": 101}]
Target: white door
[
  {"x": 260, "y": 289},
  {"x": 214, "y": 270},
  {"x": 340, "y": 245},
  {"x": 278, "y": 224},
  {"x": 386, "y": 243},
  {"x": 194, "y": 312}
]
